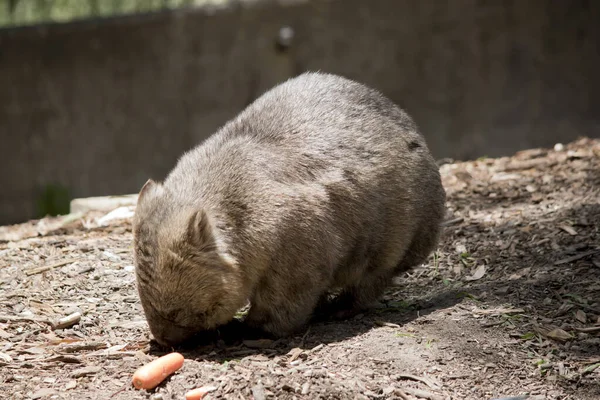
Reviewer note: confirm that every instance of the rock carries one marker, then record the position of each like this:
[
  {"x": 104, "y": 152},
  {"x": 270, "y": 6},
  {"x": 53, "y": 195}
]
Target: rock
[{"x": 103, "y": 203}]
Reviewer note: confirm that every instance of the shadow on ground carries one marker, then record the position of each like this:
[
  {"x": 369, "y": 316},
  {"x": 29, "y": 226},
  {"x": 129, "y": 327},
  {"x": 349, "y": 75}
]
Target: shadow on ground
[{"x": 525, "y": 275}]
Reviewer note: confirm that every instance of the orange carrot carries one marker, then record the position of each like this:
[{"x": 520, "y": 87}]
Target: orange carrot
[
  {"x": 198, "y": 394},
  {"x": 152, "y": 374}
]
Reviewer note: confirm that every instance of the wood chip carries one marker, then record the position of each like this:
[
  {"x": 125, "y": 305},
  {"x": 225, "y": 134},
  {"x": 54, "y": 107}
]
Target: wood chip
[
  {"x": 568, "y": 229},
  {"x": 67, "y": 321},
  {"x": 85, "y": 371},
  {"x": 400, "y": 393},
  {"x": 4, "y": 334},
  {"x": 581, "y": 316},
  {"x": 295, "y": 353},
  {"x": 45, "y": 392},
  {"x": 316, "y": 348}
]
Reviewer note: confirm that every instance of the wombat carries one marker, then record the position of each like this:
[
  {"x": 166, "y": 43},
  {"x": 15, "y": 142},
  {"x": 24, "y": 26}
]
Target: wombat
[{"x": 321, "y": 184}]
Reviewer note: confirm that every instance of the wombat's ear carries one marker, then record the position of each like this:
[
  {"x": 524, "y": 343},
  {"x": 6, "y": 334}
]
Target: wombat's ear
[
  {"x": 149, "y": 188},
  {"x": 199, "y": 229}
]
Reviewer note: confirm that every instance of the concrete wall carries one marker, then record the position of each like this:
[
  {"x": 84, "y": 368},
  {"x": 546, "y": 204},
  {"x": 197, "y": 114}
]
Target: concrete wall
[{"x": 98, "y": 107}]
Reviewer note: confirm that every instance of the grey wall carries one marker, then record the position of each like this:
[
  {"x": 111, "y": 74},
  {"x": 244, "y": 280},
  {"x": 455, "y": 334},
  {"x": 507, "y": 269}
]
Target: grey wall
[{"x": 101, "y": 106}]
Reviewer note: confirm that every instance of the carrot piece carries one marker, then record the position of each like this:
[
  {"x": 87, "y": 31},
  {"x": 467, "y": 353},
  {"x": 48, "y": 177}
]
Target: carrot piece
[
  {"x": 152, "y": 374},
  {"x": 199, "y": 393}
]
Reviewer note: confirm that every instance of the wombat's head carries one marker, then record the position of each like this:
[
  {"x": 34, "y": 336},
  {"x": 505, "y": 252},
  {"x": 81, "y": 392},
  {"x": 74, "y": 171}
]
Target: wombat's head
[{"x": 186, "y": 281}]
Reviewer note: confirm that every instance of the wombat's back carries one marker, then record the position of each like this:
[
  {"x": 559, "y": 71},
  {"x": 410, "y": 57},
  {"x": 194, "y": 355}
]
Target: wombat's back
[{"x": 335, "y": 146}]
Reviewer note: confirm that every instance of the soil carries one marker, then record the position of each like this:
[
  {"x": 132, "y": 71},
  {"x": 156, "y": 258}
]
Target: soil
[{"x": 508, "y": 306}]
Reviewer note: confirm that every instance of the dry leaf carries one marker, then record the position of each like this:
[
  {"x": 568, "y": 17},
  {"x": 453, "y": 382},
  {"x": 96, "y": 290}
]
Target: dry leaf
[
  {"x": 568, "y": 229},
  {"x": 559, "y": 334},
  {"x": 478, "y": 274},
  {"x": 580, "y": 316}
]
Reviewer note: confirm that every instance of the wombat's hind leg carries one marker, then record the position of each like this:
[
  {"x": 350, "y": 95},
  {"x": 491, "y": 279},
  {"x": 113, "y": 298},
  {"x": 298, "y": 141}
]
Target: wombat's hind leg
[
  {"x": 424, "y": 242},
  {"x": 361, "y": 296},
  {"x": 283, "y": 313}
]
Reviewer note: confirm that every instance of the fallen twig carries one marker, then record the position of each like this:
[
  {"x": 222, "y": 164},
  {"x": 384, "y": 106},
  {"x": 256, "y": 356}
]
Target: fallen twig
[
  {"x": 424, "y": 380},
  {"x": 577, "y": 257},
  {"x": 388, "y": 324},
  {"x": 45, "y": 268},
  {"x": 63, "y": 358},
  {"x": 453, "y": 221},
  {"x": 14, "y": 318},
  {"x": 591, "y": 329},
  {"x": 424, "y": 394},
  {"x": 304, "y": 337},
  {"x": 77, "y": 347},
  {"x": 498, "y": 311}
]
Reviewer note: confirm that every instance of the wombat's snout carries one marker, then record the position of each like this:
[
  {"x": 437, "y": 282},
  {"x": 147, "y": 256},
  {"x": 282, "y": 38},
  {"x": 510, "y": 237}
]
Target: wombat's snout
[{"x": 171, "y": 334}]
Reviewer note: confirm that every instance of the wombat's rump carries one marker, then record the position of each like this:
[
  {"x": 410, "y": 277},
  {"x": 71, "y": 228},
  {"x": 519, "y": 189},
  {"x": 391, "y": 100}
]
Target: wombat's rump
[{"x": 321, "y": 184}]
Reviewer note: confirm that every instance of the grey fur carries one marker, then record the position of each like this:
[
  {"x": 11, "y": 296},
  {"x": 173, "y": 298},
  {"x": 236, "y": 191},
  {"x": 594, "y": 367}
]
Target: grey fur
[{"x": 322, "y": 183}]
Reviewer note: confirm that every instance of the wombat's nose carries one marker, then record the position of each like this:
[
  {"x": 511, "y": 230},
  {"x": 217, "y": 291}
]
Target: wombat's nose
[{"x": 172, "y": 335}]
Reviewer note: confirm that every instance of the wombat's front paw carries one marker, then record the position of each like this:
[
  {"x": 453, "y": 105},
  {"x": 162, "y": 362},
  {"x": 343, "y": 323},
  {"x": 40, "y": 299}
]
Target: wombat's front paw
[{"x": 338, "y": 308}]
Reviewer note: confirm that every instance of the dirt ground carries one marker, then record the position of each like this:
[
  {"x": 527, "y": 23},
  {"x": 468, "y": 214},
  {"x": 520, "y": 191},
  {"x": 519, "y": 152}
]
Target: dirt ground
[{"x": 508, "y": 306}]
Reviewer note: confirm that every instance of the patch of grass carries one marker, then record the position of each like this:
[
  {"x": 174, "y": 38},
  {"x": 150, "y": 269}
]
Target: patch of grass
[
  {"x": 576, "y": 298},
  {"x": 528, "y": 336},
  {"x": 225, "y": 365},
  {"x": 467, "y": 295},
  {"x": 53, "y": 200},
  {"x": 403, "y": 334},
  {"x": 467, "y": 260},
  {"x": 436, "y": 267},
  {"x": 402, "y": 304}
]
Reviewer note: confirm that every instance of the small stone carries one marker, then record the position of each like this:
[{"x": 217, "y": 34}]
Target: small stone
[
  {"x": 388, "y": 390},
  {"x": 258, "y": 392},
  {"x": 72, "y": 384},
  {"x": 305, "y": 388},
  {"x": 559, "y": 147}
]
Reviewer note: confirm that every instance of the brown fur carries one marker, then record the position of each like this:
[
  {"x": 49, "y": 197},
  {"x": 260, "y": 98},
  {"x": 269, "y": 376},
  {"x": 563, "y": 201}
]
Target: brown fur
[{"x": 320, "y": 184}]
